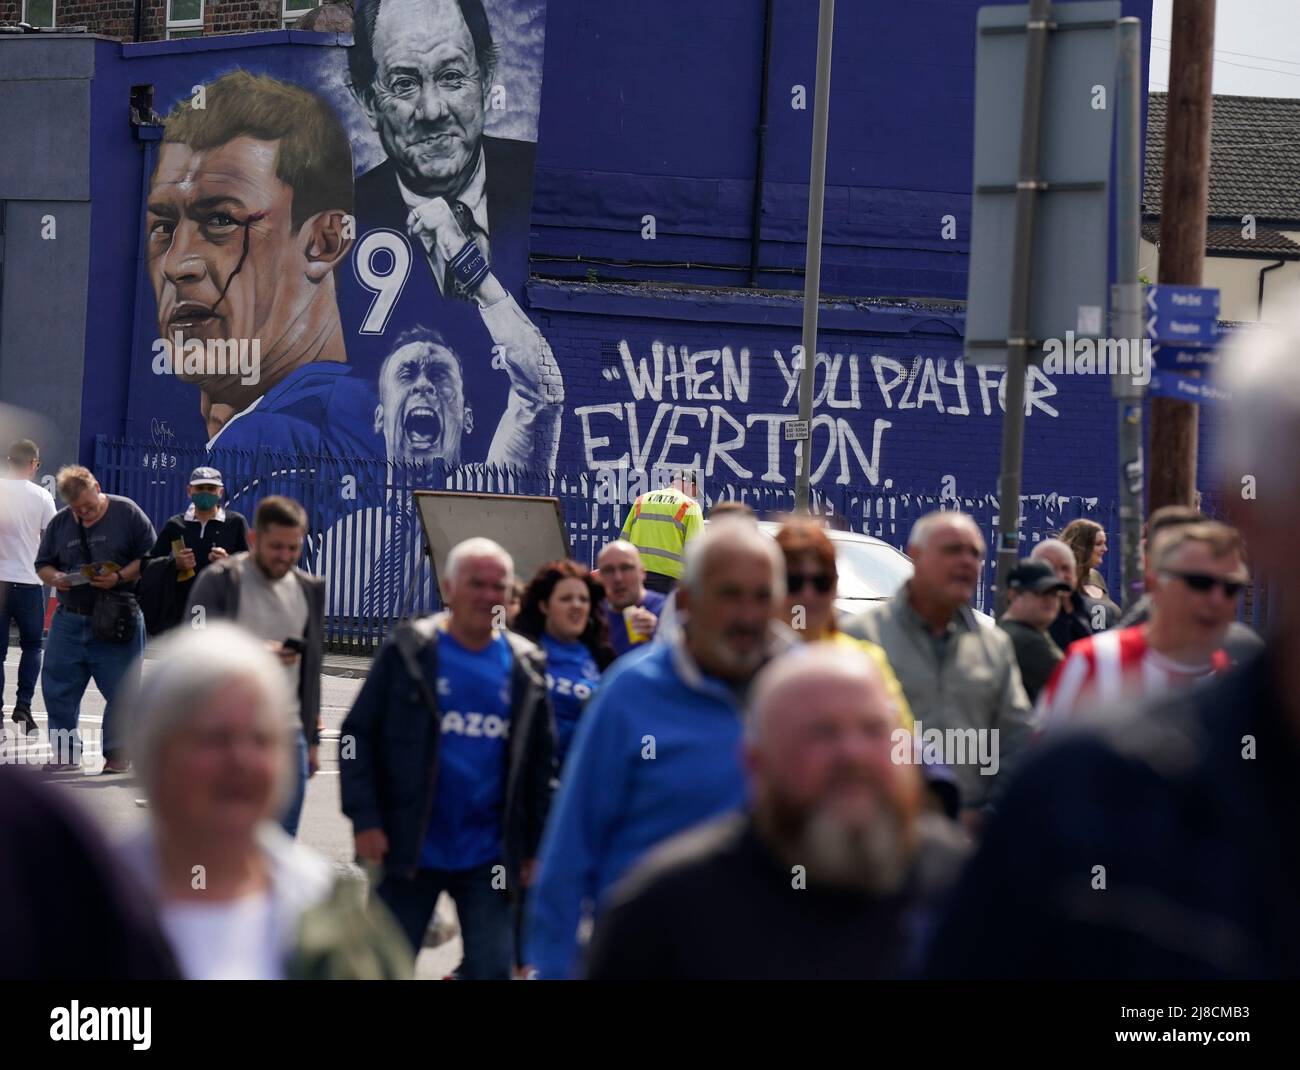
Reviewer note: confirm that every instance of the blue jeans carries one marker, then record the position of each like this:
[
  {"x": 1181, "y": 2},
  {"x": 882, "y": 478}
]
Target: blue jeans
[
  {"x": 293, "y": 813},
  {"x": 22, "y": 603},
  {"x": 486, "y": 920},
  {"x": 73, "y": 657}
]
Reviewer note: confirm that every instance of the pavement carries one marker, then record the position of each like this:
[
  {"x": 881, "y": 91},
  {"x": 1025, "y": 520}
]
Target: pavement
[
  {"x": 348, "y": 666},
  {"x": 111, "y": 800},
  {"x": 344, "y": 666}
]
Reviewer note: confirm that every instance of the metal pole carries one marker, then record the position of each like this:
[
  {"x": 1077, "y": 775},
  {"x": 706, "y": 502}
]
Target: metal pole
[
  {"x": 1128, "y": 302},
  {"x": 760, "y": 162},
  {"x": 1028, "y": 185},
  {"x": 813, "y": 266}
]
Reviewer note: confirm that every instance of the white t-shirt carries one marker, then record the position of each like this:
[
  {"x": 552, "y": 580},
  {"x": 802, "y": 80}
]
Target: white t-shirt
[
  {"x": 231, "y": 941},
  {"x": 25, "y": 509}
]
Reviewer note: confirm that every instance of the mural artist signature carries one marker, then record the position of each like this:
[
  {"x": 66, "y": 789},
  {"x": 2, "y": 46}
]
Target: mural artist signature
[{"x": 162, "y": 435}]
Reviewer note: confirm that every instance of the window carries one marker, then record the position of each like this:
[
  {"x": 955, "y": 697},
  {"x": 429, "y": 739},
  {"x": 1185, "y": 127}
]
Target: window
[
  {"x": 38, "y": 12},
  {"x": 184, "y": 18},
  {"x": 296, "y": 9}
]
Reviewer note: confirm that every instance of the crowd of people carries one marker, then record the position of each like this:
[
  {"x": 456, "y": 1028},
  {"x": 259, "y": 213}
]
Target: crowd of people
[{"x": 683, "y": 762}]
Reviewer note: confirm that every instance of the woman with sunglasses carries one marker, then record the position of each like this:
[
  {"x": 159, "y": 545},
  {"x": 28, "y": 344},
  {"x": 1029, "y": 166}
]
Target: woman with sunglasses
[{"x": 810, "y": 583}]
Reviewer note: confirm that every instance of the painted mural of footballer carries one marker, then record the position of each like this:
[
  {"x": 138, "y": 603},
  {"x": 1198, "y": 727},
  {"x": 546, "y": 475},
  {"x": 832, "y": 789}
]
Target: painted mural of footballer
[
  {"x": 248, "y": 215},
  {"x": 422, "y": 413}
]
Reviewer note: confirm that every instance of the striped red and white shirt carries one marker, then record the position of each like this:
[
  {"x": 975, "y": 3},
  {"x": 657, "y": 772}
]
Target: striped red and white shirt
[{"x": 1113, "y": 666}]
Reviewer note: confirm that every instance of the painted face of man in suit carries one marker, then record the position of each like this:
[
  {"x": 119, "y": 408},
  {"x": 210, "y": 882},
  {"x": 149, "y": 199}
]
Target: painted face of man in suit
[
  {"x": 421, "y": 412},
  {"x": 429, "y": 93}
]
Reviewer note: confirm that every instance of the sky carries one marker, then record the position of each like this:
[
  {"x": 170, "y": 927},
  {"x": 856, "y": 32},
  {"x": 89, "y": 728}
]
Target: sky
[{"x": 1256, "y": 47}]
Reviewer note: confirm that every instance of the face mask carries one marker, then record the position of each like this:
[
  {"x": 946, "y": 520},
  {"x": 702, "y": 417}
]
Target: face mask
[{"x": 205, "y": 500}]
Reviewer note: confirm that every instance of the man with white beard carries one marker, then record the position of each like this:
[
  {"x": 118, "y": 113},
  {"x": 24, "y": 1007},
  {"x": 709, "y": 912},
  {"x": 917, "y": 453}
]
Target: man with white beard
[{"x": 833, "y": 871}]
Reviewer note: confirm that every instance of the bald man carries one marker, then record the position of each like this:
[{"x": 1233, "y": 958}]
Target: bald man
[
  {"x": 831, "y": 872},
  {"x": 960, "y": 677},
  {"x": 631, "y": 609},
  {"x": 1080, "y": 616}
]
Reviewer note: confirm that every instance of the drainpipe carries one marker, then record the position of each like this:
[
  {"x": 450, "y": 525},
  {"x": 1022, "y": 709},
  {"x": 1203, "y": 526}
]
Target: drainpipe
[
  {"x": 756, "y": 217},
  {"x": 150, "y": 137},
  {"x": 139, "y": 20},
  {"x": 1259, "y": 313}
]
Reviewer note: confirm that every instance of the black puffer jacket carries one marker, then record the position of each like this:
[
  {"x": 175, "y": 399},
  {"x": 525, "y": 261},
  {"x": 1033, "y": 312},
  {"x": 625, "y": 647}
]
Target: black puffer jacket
[{"x": 389, "y": 780}]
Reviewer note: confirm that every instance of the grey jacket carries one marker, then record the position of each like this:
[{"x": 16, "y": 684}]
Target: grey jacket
[
  {"x": 217, "y": 591},
  {"x": 977, "y": 686}
]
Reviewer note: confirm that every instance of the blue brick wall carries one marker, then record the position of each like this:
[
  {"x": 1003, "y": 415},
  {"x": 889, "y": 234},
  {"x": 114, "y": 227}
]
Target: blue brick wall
[{"x": 652, "y": 109}]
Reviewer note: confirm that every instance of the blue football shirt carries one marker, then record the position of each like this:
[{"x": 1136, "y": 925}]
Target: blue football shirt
[
  {"x": 474, "y": 718},
  {"x": 571, "y": 677}
]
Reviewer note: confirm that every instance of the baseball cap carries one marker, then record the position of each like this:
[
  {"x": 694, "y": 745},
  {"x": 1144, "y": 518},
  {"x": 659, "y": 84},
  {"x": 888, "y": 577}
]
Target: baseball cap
[
  {"x": 205, "y": 475},
  {"x": 1037, "y": 576}
]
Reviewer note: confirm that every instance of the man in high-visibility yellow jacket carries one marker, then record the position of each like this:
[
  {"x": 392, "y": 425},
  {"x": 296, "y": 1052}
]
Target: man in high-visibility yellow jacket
[{"x": 659, "y": 525}]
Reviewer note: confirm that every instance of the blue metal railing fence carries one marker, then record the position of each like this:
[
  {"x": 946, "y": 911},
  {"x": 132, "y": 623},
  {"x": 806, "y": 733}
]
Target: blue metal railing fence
[{"x": 357, "y": 509}]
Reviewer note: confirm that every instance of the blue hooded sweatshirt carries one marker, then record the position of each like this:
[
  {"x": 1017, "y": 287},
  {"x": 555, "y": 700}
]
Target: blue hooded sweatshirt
[{"x": 657, "y": 751}]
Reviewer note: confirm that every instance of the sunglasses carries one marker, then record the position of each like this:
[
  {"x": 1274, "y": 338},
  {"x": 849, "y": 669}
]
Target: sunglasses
[
  {"x": 821, "y": 583},
  {"x": 1202, "y": 582}
]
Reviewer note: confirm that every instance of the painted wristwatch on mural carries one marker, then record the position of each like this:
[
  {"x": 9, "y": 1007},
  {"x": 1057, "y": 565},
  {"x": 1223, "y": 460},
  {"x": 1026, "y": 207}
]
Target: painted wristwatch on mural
[{"x": 470, "y": 266}]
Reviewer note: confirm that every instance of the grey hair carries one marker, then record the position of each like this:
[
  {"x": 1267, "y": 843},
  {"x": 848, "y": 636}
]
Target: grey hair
[
  {"x": 191, "y": 665},
  {"x": 1050, "y": 545},
  {"x": 1261, "y": 436},
  {"x": 921, "y": 531},
  {"x": 476, "y": 547},
  {"x": 731, "y": 535},
  {"x": 805, "y": 665}
]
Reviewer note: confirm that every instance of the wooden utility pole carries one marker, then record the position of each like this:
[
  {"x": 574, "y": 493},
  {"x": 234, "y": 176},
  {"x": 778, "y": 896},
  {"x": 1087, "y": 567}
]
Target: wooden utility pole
[{"x": 1183, "y": 204}]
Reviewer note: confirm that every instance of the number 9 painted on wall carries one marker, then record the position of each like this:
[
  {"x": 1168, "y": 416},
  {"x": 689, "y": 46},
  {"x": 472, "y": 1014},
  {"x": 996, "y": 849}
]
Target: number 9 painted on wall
[{"x": 387, "y": 285}]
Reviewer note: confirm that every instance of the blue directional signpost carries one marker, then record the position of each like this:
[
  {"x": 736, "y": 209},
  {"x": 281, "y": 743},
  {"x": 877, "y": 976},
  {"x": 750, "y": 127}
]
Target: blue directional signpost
[
  {"x": 1179, "y": 358},
  {"x": 1183, "y": 326},
  {"x": 1185, "y": 388}
]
